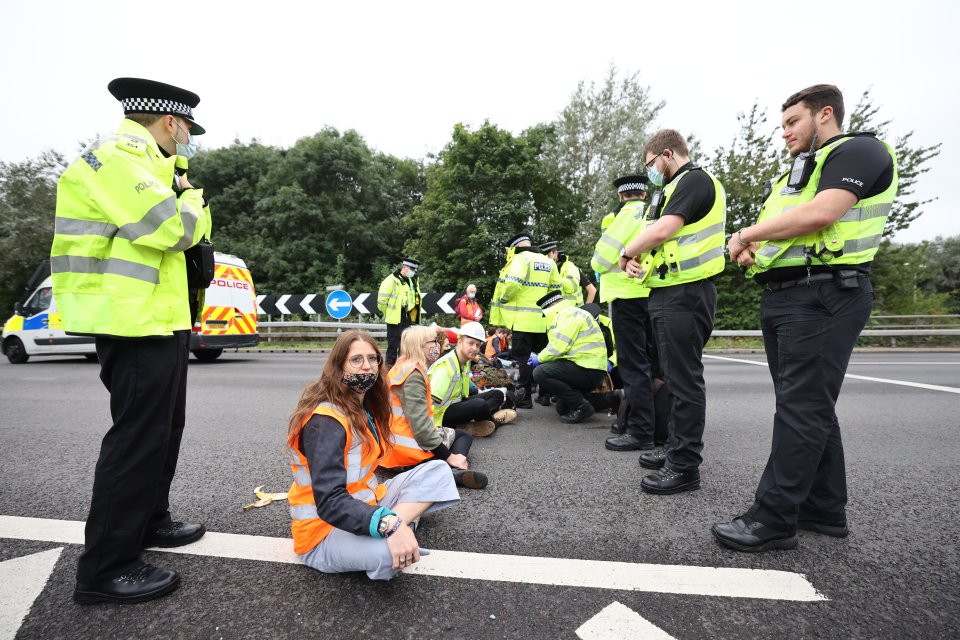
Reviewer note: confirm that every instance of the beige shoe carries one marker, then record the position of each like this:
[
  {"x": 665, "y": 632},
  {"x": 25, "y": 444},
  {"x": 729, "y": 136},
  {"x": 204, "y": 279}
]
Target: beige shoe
[
  {"x": 478, "y": 428},
  {"x": 504, "y": 416}
]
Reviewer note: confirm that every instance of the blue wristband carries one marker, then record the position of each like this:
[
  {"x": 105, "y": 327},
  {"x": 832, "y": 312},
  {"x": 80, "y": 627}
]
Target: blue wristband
[{"x": 378, "y": 515}]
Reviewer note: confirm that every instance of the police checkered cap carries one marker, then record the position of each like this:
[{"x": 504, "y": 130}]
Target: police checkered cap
[
  {"x": 517, "y": 239},
  {"x": 549, "y": 299},
  {"x": 138, "y": 95},
  {"x": 630, "y": 183},
  {"x": 156, "y": 105},
  {"x": 410, "y": 262},
  {"x": 548, "y": 246}
]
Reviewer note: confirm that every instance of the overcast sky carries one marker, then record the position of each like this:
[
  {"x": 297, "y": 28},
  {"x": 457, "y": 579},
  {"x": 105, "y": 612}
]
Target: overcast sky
[{"x": 402, "y": 74}]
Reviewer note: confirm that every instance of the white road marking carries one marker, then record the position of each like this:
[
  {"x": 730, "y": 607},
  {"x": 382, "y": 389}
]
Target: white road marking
[
  {"x": 903, "y": 383},
  {"x": 592, "y": 574},
  {"x": 617, "y": 622},
  {"x": 21, "y": 581}
]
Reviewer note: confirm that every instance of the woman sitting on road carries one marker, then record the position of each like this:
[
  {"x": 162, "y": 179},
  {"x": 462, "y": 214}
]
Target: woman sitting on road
[
  {"x": 414, "y": 435},
  {"x": 344, "y": 519}
]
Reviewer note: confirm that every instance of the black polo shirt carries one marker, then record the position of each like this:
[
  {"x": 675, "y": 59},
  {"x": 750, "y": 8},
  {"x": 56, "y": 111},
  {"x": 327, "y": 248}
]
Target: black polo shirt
[{"x": 694, "y": 196}]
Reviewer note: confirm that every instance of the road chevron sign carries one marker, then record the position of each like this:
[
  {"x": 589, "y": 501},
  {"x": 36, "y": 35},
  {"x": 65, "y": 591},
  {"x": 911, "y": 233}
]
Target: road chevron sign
[
  {"x": 310, "y": 304},
  {"x": 358, "y": 303}
]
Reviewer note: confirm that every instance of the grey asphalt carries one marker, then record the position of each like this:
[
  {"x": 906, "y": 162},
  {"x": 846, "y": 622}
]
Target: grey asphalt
[{"x": 554, "y": 492}]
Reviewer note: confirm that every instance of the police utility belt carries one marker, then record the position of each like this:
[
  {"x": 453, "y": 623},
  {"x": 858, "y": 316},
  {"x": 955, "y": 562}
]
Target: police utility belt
[{"x": 845, "y": 279}]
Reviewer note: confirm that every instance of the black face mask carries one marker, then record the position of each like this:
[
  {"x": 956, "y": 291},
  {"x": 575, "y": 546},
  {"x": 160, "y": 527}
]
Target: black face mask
[{"x": 360, "y": 382}]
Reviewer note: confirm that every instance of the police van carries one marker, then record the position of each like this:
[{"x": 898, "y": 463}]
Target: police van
[{"x": 228, "y": 320}]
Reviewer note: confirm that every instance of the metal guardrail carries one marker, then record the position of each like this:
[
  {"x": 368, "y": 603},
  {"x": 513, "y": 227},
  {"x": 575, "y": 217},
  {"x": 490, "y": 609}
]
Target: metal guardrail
[{"x": 330, "y": 330}]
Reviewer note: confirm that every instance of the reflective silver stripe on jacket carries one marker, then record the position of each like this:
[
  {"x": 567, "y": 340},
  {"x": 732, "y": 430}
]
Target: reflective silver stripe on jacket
[
  {"x": 354, "y": 458},
  {"x": 521, "y": 309},
  {"x": 859, "y": 214},
  {"x": 151, "y": 220},
  {"x": 771, "y": 250},
  {"x": 300, "y": 473},
  {"x": 405, "y": 441},
  {"x": 587, "y": 347},
  {"x": 366, "y": 495},
  {"x": 75, "y": 227},
  {"x": 606, "y": 264},
  {"x": 189, "y": 219},
  {"x": 401, "y": 374},
  {"x": 691, "y": 263},
  {"x": 395, "y": 410},
  {"x": 703, "y": 234},
  {"x": 303, "y": 511},
  {"x": 113, "y": 266}
]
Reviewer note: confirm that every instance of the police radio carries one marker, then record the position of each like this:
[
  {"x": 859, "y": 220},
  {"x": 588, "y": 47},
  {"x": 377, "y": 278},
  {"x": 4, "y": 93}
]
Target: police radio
[
  {"x": 656, "y": 203},
  {"x": 802, "y": 167}
]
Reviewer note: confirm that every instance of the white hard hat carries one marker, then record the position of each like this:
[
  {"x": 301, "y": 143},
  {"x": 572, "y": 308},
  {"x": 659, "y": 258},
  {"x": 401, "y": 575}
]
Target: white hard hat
[{"x": 473, "y": 330}]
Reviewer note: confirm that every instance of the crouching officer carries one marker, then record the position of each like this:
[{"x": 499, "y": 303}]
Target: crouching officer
[
  {"x": 527, "y": 276},
  {"x": 574, "y": 361},
  {"x": 126, "y": 213},
  {"x": 399, "y": 302},
  {"x": 811, "y": 249}
]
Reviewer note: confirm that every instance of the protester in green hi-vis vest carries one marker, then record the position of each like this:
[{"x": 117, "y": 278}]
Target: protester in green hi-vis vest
[
  {"x": 677, "y": 253},
  {"x": 811, "y": 250},
  {"x": 126, "y": 216},
  {"x": 628, "y": 297}
]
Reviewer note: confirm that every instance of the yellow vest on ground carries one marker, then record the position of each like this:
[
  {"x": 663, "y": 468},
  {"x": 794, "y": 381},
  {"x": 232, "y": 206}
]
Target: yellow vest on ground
[
  {"x": 853, "y": 239},
  {"x": 117, "y": 257}
]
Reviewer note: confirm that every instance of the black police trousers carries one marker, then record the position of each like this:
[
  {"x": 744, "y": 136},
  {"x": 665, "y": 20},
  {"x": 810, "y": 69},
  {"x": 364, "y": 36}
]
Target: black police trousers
[
  {"x": 522, "y": 344},
  {"x": 147, "y": 381},
  {"x": 682, "y": 317},
  {"x": 394, "y": 331},
  {"x": 632, "y": 331},
  {"x": 808, "y": 333},
  {"x": 567, "y": 381}
]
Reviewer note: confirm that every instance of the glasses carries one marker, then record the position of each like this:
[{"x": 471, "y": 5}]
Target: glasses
[
  {"x": 652, "y": 160},
  {"x": 373, "y": 360},
  {"x": 429, "y": 342}
]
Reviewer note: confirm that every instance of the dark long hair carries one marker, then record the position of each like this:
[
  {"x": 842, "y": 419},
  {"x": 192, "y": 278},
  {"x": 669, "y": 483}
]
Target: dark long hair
[{"x": 330, "y": 388}]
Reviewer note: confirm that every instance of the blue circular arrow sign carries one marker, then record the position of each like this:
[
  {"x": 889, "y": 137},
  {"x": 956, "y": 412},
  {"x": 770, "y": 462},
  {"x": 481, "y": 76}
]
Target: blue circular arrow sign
[{"x": 339, "y": 304}]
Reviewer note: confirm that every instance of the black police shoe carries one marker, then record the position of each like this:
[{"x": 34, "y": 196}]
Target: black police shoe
[
  {"x": 836, "y": 529},
  {"x": 618, "y": 428},
  {"x": 523, "y": 400},
  {"x": 175, "y": 534},
  {"x": 746, "y": 534},
  {"x": 666, "y": 481},
  {"x": 580, "y": 414},
  {"x": 143, "y": 583},
  {"x": 626, "y": 442},
  {"x": 543, "y": 399},
  {"x": 653, "y": 459}
]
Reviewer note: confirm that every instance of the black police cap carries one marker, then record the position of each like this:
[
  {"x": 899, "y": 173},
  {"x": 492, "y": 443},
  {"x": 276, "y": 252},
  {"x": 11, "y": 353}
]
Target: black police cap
[
  {"x": 551, "y": 298},
  {"x": 138, "y": 95},
  {"x": 517, "y": 239}
]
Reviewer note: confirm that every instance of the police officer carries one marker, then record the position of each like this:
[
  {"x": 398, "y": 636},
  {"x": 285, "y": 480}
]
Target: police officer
[
  {"x": 526, "y": 277},
  {"x": 399, "y": 302},
  {"x": 811, "y": 249},
  {"x": 574, "y": 362},
  {"x": 126, "y": 212},
  {"x": 572, "y": 280},
  {"x": 632, "y": 329},
  {"x": 680, "y": 249}
]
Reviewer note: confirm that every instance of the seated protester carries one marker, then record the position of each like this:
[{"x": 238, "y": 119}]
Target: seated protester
[
  {"x": 413, "y": 433},
  {"x": 574, "y": 361},
  {"x": 497, "y": 345},
  {"x": 449, "y": 376},
  {"x": 344, "y": 519}
]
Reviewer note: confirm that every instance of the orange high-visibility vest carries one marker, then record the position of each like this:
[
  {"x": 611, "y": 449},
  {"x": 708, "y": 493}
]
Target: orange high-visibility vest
[
  {"x": 308, "y": 528},
  {"x": 406, "y": 451}
]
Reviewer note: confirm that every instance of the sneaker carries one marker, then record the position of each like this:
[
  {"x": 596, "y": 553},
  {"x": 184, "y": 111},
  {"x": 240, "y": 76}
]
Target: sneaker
[
  {"x": 478, "y": 428},
  {"x": 504, "y": 416}
]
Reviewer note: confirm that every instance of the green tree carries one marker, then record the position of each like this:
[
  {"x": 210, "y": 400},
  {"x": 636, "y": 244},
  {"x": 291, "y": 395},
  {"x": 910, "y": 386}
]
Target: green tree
[
  {"x": 28, "y": 201},
  {"x": 485, "y": 186},
  {"x": 912, "y": 162},
  {"x": 751, "y": 159},
  {"x": 897, "y": 274},
  {"x": 600, "y": 135},
  {"x": 941, "y": 272}
]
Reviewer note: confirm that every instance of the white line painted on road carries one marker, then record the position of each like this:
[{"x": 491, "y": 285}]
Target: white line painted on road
[
  {"x": 21, "y": 581},
  {"x": 903, "y": 383},
  {"x": 618, "y": 621},
  {"x": 591, "y": 574}
]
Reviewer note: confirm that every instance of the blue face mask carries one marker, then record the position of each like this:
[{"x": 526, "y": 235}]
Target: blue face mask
[
  {"x": 654, "y": 175},
  {"x": 471, "y": 295},
  {"x": 189, "y": 149}
]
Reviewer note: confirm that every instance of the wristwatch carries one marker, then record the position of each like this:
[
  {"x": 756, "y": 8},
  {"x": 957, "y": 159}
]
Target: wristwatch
[{"x": 385, "y": 529}]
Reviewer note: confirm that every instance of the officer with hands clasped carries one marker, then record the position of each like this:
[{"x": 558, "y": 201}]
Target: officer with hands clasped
[
  {"x": 126, "y": 213},
  {"x": 399, "y": 301},
  {"x": 675, "y": 255},
  {"x": 811, "y": 249}
]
